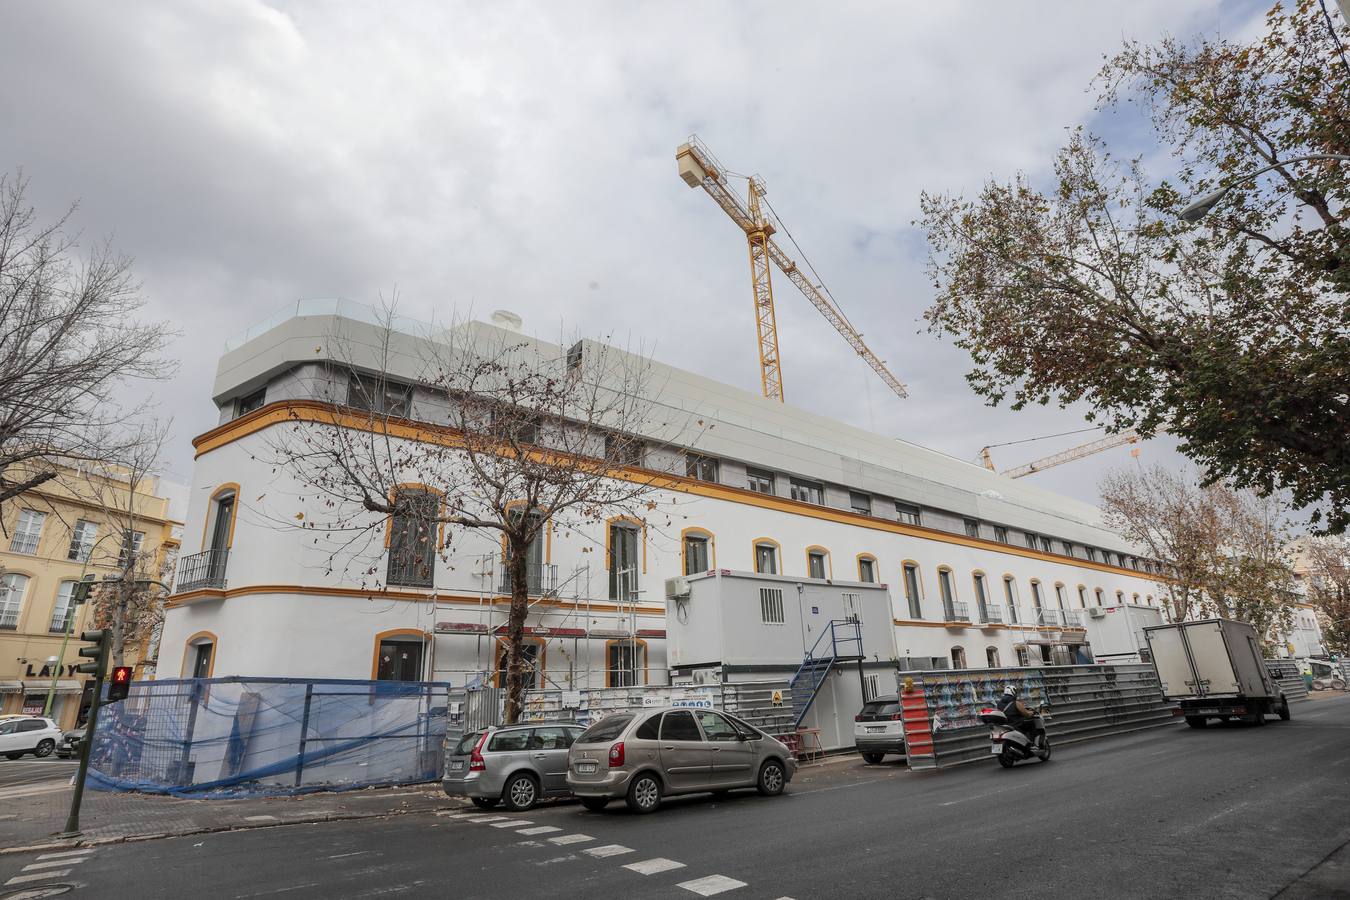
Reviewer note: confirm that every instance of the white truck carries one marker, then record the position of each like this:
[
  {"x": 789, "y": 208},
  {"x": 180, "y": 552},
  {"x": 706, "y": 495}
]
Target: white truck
[{"x": 1213, "y": 669}]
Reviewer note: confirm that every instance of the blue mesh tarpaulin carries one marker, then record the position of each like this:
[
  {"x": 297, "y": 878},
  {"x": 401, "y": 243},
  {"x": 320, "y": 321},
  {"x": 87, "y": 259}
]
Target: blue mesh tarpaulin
[{"x": 235, "y": 737}]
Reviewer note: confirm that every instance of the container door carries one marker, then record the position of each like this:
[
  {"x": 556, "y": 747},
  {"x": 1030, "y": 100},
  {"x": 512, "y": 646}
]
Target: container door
[
  {"x": 1209, "y": 652},
  {"x": 1170, "y": 659}
]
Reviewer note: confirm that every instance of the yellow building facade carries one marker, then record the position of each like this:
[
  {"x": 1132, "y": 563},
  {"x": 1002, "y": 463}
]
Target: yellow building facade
[{"x": 78, "y": 524}]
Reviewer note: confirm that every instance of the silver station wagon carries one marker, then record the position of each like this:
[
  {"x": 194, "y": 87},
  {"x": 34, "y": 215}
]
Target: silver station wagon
[
  {"x": 516, "y": 765},
  {"x": 642, "y": 757}
]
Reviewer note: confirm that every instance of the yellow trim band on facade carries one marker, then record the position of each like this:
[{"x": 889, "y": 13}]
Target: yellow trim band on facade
[{"x": 327, "y": 414}]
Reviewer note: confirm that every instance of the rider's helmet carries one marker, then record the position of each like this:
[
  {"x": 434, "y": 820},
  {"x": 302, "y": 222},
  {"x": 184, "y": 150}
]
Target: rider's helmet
[{"x": 1010, "y": 690}]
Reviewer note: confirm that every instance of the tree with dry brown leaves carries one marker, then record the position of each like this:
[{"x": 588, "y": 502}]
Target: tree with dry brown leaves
[{"x": 1327, "y": 581}]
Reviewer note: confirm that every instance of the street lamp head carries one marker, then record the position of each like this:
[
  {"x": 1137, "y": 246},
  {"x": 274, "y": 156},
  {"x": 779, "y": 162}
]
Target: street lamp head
[{"x": 1197, "y": 208}]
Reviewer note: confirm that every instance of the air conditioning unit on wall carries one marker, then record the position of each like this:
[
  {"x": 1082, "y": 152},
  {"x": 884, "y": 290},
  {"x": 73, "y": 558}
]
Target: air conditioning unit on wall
[
  {"x": 677, "y": 589},
  {"x": 1096, "y": 612}
]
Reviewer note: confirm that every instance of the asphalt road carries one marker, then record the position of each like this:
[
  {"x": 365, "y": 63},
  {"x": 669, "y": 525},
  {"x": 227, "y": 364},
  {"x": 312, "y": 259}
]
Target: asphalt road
[
  {"x": 1233, "y": 811},
  {"x": 27, "y": 771}
]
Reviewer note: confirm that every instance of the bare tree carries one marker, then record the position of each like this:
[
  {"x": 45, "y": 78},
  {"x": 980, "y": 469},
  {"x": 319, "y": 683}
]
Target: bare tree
[
  {"x": 131, "y": 605},
  {"x": 69, "y": 341},
  {"x": 1328, "y": 583},
  {"x": 501, "y": 435},
  {"x": 1222, "y": 550}
]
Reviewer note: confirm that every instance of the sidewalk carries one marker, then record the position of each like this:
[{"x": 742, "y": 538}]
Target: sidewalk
[{"x": 33, "y": 816}]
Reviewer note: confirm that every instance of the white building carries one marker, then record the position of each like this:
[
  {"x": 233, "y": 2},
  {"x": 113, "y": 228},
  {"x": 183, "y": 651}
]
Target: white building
[{"x": 980, "y": 570}]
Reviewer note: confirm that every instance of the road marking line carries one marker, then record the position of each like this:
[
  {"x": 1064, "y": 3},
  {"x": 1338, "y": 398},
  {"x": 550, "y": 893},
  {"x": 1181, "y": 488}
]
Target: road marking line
[
  {"x": 260, "y": 818},
  {"x": 449, "y": 814},
  {"x": 36, "y": 876},
  {"x": 539, "y": 829},
  {"x": 66, "y": 854},
  {"x": 339, "y": 855},
  {"x": 608, "y": 850},
  {"x": 571, "y": 839},
  {"x": 712, "y": 884},
  {"x": 54, "y": 864},
  {"x": 511, "y": 823},
  {"x": 652, "y": 866},
  {"x": 487, "y": 818}
]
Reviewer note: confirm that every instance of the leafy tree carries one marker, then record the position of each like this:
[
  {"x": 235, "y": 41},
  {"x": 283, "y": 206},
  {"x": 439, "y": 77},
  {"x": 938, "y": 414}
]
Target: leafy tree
[
  {"x": 1326, "y": 563},
  {"x": 1223, "y": 550},
  {"x": 1232, "y": 334}
]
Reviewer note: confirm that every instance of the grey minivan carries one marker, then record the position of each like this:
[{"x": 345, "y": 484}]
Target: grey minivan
[
  {"x": 644, "y": 756},
  {"x": 516, "y": 765}
]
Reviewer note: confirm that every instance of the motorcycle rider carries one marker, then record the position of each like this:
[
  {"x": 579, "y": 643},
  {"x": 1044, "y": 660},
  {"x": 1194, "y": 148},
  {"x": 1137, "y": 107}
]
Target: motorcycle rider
[{"x": 1019, "y": 716}]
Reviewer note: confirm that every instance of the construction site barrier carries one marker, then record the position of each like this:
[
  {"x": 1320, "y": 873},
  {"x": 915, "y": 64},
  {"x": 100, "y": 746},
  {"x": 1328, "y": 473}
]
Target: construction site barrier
[
  {"x": 1286, "y": 672},
  {"x": 940, "y": 709},
  {"x": 239, "y": 737}
]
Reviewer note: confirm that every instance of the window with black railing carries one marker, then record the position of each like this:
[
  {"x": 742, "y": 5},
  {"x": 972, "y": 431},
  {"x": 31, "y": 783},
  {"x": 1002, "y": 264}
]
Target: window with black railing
[
  {"x": 412, "y": 539},
  {"x": 202, "y": 570}
]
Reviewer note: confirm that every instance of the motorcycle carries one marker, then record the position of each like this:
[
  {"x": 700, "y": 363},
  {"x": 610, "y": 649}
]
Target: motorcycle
[{"x": 1012, "y": 745}]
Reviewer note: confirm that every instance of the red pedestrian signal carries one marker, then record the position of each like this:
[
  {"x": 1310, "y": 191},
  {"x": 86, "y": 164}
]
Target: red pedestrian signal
[{"x": 120, "y": 684}]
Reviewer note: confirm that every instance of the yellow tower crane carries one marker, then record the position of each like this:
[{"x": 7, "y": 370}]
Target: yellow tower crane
[
  {"x": 699, "y": 168},
  {"x": 1063, "y": 456}
]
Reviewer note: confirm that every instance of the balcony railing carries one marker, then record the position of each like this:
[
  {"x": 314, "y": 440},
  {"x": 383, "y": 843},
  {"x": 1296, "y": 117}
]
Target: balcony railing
[
  {"x": 202, "y": 570},
  {"x": 1073, "y": 618},
  {"x": 955, "y": 611},
  {"x": 541, "y": 579},
  {"x": 1049, "y": 618},
  {"x": 992, "y": 614}
]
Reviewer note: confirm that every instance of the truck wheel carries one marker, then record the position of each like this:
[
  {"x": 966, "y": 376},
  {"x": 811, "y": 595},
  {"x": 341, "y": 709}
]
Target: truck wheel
[
  {"x": 1196, "y": 721},
  {"x": 1284, "y": 709},
  {"x": 873, "y": 759}
]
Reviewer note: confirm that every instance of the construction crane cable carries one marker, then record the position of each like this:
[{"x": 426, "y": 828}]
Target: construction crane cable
[
  {"x": 820, "y": 282},
  {"x": 1045, "y": 437}
]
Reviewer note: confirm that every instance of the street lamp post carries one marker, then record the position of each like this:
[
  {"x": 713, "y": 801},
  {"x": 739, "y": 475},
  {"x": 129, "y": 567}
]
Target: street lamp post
[{"x": 1197, "y": 208}]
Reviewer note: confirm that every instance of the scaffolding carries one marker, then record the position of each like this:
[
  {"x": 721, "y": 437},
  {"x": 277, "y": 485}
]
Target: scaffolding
[{"x": 578, "y": 623}]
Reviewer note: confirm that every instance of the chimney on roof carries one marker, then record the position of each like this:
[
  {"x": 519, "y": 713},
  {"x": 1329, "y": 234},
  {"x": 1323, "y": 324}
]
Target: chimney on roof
[{"x": 504, "y": 318}]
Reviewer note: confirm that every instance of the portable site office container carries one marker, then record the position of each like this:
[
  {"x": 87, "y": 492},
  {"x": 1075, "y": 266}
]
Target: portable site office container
[{"x": 1213, "y": 668}]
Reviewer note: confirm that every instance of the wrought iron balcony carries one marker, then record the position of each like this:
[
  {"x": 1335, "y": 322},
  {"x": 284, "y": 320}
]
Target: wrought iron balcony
[
  {"x": 1049, "y": 618},
  {"x": 993, "y": 615},
  {"x": 1073, "y": 618},
  {"x": 955, "y": 611},
  {"x": 541, "y": 579},
  {"x": 202, "y": 570}
]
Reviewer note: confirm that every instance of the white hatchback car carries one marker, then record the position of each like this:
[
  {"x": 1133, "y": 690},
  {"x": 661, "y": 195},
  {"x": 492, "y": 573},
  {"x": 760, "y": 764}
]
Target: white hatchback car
[{"x": 30, "y": 734}]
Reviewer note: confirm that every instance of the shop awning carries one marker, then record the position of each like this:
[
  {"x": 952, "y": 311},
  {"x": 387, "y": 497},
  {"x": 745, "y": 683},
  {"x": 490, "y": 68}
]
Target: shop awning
[
  {"x": 62, "y": 687},
  {"x": 11, "y": 687}
]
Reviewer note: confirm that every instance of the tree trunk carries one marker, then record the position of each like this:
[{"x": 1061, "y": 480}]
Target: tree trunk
[
  {"x": 517, "y": 565},
  {"x": 119, "y": 618}
]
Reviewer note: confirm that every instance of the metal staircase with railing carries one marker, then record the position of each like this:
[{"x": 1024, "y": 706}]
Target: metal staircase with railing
[{"x": 840, "y": 641}]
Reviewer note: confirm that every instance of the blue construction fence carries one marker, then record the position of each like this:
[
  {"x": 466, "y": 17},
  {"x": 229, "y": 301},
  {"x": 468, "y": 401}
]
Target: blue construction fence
[{"x": 248, "y": 737}]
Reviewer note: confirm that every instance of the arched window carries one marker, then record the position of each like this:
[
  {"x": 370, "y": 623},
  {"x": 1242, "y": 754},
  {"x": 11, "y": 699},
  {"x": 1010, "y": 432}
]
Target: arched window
[
  {"x": 625, "y": 663},
  {"x": 991, "y": 657},
  {"x": 1135, "y": 599},
  {"x": 1099, "y": 596},
  {"x": 1082, "y": 596},
  {"x": 624, "y": 542},
  {"x": 958, "y": 658},
  {"x": 399, "y": 655},
  {"x": 766, "y": 556},
  {"x": 696, "y": 551},
  {"x": 1149, "y": 600},
  {"x": 913, "y": 594},
  {"x": 1010, "y": 597},
  {"x": 1120, "y": 598},
  {"x": 867, "y": 568},
  {"x": 948, "y": 591},
  {"x": 199, "y": 655},
  {"x": 1023, "y": 658},
  {"x": 64, "y": 610},
  {"x": 1059, "y": 595},
  {"x": 12, "y": 588},
  {"x": 981, "y": 596},
  {"x": 818, "y": 563},
  {"x": 1036, "y": 595},
  {"x": 412, "y": 536}
]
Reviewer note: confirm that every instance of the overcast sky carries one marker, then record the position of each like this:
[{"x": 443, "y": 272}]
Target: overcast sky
[{"x": 521, "y": 156}]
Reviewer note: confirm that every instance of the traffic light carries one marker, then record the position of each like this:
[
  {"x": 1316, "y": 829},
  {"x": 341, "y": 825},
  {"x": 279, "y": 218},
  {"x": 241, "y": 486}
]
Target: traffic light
[
  {"x": 83, "y": 589},
  {"x": 120, "y": 685},
  {"x": 100, "y": 638}
]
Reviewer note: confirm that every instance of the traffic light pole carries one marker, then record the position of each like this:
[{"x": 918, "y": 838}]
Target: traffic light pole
[{"x": 73, "y": 820}]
